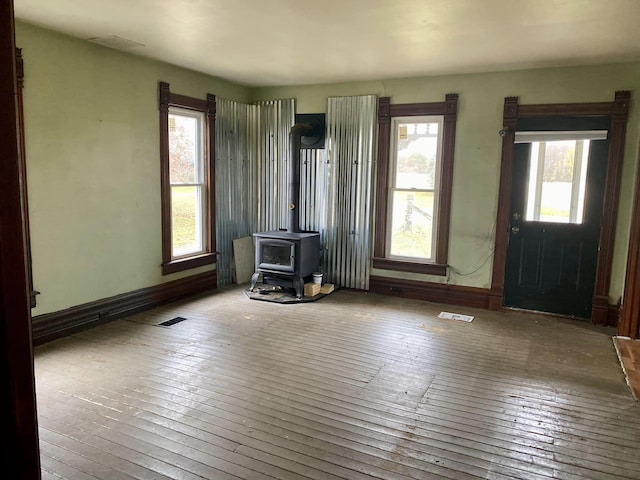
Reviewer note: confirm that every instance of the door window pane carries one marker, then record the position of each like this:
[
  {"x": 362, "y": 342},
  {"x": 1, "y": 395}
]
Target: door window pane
[{"x": 557, "y": 181}]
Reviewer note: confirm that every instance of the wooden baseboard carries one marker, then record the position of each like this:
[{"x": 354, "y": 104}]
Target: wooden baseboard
[
  {"x": 51, "y": 326},
  {"x": 431, "y": 292},
  {"x": 605, "y": 313},
  {"x": 613, "y": 314},
  {"x": 464, "y": 296}
]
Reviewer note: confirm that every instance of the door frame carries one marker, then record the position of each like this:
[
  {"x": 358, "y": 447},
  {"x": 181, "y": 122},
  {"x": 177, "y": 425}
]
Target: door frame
[
  {"x": 18, "y": 418},
  {"x": 617, "y": 111},
  {"x": 629, "y": 325}
]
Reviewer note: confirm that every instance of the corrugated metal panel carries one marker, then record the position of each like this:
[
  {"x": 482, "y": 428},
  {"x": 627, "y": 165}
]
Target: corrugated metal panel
[
  {"x": 272, "y": 122},
  {"x": 251, "y": 158},
  {"x": 351, "y": 123},
  {"x": 336, "y": 184},
  {"x": 314, "y": 184},
  {"x": 232, "y": 159}
]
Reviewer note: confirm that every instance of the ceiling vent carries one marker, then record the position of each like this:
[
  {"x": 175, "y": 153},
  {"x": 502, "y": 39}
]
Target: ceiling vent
[{"x": 114, "y": 41}]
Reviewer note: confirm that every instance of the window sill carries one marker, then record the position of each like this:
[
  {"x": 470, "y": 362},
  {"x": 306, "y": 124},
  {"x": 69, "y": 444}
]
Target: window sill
[
  {"x": 187, "y": 263},
  {"x": 426, "y": 268}
]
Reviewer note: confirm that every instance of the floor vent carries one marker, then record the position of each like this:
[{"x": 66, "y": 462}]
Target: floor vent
[{"x": 173, "y": 321}]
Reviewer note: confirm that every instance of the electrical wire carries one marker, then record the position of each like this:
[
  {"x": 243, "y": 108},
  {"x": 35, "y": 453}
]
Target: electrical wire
[
  {"x": 492, "y": 232},
  {"x": 461, "y": 274}
]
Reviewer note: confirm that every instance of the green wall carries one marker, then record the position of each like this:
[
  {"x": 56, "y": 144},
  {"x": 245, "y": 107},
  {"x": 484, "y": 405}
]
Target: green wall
[
  {"x": 477, "y": 153},
  {"x": 92, "y": 149},
  {"x": 91, "y": 119}
]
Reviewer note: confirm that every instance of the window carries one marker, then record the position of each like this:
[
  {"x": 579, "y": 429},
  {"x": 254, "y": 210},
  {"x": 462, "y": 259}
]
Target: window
[
  {"x": 186, "y": 178},
  {"x": 186, "y": 145},
  {"x": 557, "y": 181},
  {"x": 413, "y": 191},
  {"x": 415, "y": 163}
]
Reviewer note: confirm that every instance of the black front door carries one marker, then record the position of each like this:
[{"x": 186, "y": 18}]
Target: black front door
[{"x": 558, "y": 183}]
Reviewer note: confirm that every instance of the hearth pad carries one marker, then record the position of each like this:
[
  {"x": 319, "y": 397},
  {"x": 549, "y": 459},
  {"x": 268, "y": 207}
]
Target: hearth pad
[{"x": 275, "y": 294}]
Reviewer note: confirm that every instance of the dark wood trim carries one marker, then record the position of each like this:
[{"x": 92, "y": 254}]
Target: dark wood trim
[
  {"x": 618, "y": 112},
  {"x": 509, "y": 119},
  {"x": 211, "y": 171},
  {"x": 602, "y": 109},
  {"x": 446, "y": 178},
  {"x": 168, "y": 99},
  {"x": 600, "y": 309},
  {"x": 629, "y": 325},
  {"x": 165, "y": 193},
  {"x": 382, "y": 176},
  {"x": 190, "y": 103},
  {"x": 426, "y": 268},
  {"x": 60, "y": 324},
  {"x": 25, "y": 204},
  {"x": 187, "y": 263},
  {"x": 418, "y": 109},
  {"x": 19, "y": 452},
  {"x": 613, "y": 314},
  {"x": 449, "y": 109},
  {"x": 431, "y": 292}
]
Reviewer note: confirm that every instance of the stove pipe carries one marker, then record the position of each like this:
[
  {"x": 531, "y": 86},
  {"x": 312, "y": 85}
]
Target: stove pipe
[{"x": 298, "y": 131}]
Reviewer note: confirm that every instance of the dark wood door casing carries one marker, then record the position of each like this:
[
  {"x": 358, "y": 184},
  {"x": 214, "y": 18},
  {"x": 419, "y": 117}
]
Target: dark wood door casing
[
  {"x": 551, "y": 266},
  {"x": 618, "y": 112},
  {"x": 629, "y": 325},
  {"x": 19, "y": 454},
  {"x": 23, "y": 183}
]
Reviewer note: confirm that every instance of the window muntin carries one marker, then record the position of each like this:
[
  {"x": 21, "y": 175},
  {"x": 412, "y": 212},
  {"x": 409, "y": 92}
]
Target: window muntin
[
  {"x": 187, "y": 182},
  {"x": 557, "y": 181},
  {"x": 415, "y": 164}
]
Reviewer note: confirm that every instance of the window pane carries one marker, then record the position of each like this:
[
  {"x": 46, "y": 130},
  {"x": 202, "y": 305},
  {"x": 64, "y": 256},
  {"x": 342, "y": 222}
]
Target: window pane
[
  {"x": 184, "y": 133},
  {"x": 412, "y": 225},
  {"x": 186, "y": 221},
  {"x": 557, "y": 181},
  {"x": 417, "y": 145}
]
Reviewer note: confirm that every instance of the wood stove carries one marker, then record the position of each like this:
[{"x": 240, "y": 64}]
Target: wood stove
[{"x": 287, "y": 257}]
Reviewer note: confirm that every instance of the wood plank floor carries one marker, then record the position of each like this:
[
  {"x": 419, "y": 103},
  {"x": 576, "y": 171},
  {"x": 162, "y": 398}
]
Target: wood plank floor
[
  {"x": 355, "y": 386},
  {"x": 629, "y": 355}
]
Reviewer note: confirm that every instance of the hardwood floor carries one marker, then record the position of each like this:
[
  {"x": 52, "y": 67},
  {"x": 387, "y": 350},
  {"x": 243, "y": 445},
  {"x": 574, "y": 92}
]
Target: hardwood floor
[
  {"x": 629, "y": 355},
  {"x": 355, "y": 386}
]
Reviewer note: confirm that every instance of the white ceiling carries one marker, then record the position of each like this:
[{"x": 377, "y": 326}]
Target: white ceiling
[{"x": 291, "y": 42}]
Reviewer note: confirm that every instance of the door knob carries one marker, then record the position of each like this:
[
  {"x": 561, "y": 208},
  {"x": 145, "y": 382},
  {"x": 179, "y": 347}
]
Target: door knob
[{"x": 515, "y": 230}]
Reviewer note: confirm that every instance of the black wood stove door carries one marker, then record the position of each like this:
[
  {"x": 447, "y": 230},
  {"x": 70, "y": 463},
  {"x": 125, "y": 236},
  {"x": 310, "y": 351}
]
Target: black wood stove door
[{"x": 556, "y": 210}]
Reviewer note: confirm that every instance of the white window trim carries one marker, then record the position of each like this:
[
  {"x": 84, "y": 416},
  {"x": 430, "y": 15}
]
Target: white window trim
[
  {"x": 393, "y": 153},
  {"x": 199, "y": 184}
]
